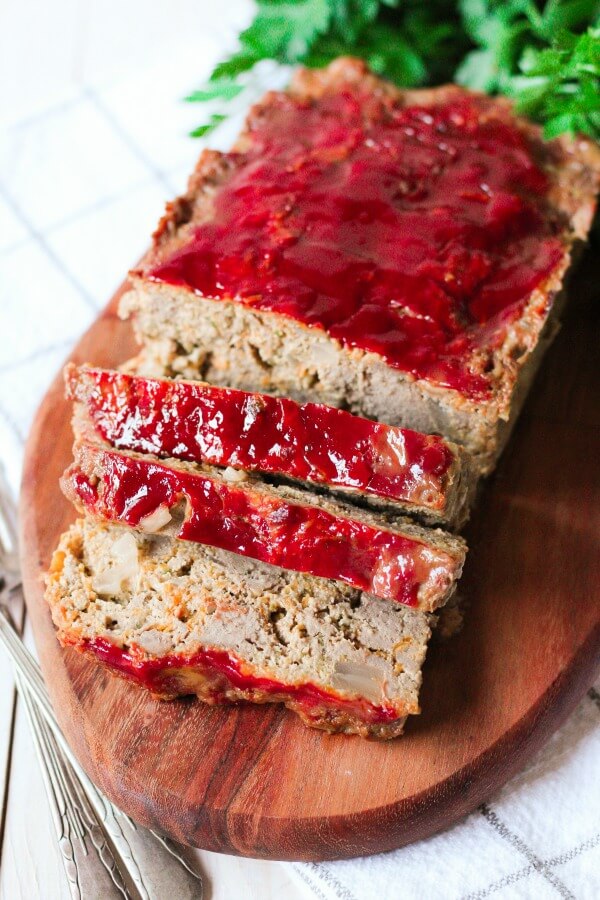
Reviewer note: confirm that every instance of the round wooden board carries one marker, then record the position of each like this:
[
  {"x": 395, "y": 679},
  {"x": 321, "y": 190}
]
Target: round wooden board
[{"x": 253, "y": 780}]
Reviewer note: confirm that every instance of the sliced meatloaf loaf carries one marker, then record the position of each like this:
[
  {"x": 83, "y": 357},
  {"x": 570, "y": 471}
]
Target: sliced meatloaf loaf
[
  {"x": 283, "y": 526},
  {"x": 180, "y": 619},
  {"x": 309, "y": 443},
  {"x": 395, "y": 253}
]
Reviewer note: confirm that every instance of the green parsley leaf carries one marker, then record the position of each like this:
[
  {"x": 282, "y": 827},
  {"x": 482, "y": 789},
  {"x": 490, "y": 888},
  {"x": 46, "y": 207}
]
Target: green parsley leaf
[
  {"x": 285, "y": 30},
  {"x": 384, "y": 51},
  {"x": 209, "y": 126},
  {"x": 222, "y": 89},
  {"x": 560, "y": 85},
  {"x": 236, "y": 64},
  {"x": 500, "y": 31}
]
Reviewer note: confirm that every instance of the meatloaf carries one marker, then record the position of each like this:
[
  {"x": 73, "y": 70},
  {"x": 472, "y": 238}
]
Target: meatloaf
[
  {"x": 179, "y": 618},
  {"x": 311, "y": 444},
  {"x": 396, "y": 253},
  {"x": 280, "y": 525}
]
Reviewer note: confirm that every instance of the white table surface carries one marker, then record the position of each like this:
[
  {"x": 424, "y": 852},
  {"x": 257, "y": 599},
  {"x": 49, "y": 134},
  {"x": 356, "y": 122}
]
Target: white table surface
[{"x": 93, "y": 140}]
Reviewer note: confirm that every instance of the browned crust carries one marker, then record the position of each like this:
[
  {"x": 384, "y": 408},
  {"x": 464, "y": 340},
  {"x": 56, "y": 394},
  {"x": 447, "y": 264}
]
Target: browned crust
[{"x": 572, "y": 165}]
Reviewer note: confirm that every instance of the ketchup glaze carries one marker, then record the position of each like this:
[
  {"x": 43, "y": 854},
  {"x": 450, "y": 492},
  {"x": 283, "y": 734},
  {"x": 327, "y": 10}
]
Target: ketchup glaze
[
  {"x": 264, "y": 527},
  {"x": 166, "y": 675},
  {"x": 256, "y": 432},
  {"x": 415, "y": 232}
]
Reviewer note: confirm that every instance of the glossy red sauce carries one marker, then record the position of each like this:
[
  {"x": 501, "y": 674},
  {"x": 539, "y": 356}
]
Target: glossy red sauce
[
  {"x": 417, "y": 232},
  {"x": 263, "y": 527},
  {"x": 309, "y": 442},
  {"x": 160, "y": 676}
]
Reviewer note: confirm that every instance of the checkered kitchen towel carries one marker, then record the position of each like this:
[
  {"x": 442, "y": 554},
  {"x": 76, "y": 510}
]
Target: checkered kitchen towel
[{"x": 81, "y": 185}]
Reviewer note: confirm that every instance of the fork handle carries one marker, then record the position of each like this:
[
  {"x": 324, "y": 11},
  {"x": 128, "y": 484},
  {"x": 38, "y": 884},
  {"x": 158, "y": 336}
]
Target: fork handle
[{"x": 88, "y": 863}]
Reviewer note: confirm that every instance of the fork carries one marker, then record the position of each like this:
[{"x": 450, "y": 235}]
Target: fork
[
  {"x": 81, "y": 841},
  {"x": 152, "y": 863}
]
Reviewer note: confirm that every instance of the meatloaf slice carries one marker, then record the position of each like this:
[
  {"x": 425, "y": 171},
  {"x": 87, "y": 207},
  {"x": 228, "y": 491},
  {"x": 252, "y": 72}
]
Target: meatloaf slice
[
  {"x": 310, "y": 443},
  {"x": 395, "y": 253},
  {"x": 179, "y": 618},
  {"x": 282, "y": 526}
]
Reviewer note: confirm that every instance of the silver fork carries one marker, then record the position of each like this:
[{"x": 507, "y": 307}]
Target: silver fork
[
  {"x": 81, "y": 841},
  {"x": 152, "y": 863}
]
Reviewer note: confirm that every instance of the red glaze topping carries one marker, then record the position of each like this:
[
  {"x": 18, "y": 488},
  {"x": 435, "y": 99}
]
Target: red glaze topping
[
  {"x": 414, "y": 232},
  {"x": 161, "y": 677},
  {"x": 309, "y": 442},
  {"x": 276, "y": 531}
]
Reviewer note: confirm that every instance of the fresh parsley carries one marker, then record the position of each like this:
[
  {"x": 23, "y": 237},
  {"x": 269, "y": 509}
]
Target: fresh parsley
[
  {"x": 543, "y": 53},
  {"x": 560, "y": 85}
]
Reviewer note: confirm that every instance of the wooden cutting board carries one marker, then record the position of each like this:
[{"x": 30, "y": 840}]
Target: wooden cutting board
[{"x": 253, "y": 780}]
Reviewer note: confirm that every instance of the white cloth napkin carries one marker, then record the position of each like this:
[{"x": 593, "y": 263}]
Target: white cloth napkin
[
  {"x": 538, "y": 838},
  {"x": 70, "y": 224}
]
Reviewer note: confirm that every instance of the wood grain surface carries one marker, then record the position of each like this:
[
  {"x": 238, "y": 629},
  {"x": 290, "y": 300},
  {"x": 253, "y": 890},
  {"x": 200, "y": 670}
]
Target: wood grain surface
[{"x": 253, "y": 780}]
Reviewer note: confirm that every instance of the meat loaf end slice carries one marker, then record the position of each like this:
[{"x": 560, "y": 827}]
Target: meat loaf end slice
[
  {"x": 388, "y": 467},
  {"x": 179, "y": 618},
  {"x": 396, "y": 253},
  {"x": 282, "y": 526}
]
